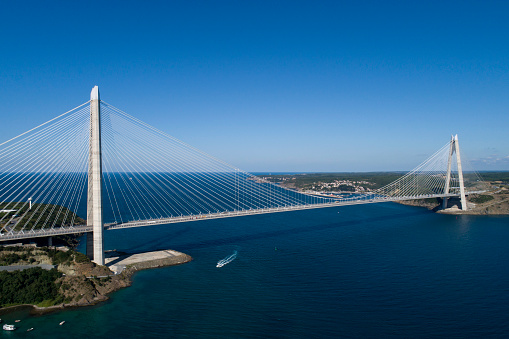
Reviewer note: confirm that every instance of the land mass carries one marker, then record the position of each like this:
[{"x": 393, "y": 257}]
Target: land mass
[
  {"x": 495, "y": 200},
  {"x": 490, "y": 203},
  {"x": 69, "y": 278}
]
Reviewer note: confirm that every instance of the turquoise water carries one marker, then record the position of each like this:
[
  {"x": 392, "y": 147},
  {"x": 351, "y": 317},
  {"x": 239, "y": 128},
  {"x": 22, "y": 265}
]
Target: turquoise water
[{"x": 382, "y": 270}]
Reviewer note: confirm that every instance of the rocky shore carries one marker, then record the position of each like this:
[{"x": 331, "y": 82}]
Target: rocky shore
[
  {"x": 84, "y": 283},
  {"x": 491, "y": 203}
]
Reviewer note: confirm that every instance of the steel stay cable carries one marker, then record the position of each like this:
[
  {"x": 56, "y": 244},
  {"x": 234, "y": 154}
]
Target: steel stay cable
[
  {"x": 31, "y": 182},
  {"x": 51, "y": 193},
  {"x": 135, "y": 186},
  {"x": 116, "y": 148},
  {"x": 131, "y": 171},
  {"x": 74, "y": 174},
  {"x": 168, "y": 136},
  {"x": 33, "y": 138},
  {"x": 41, "y": 154},
  {"x": 44, "y": 195},
  {"x": 61, "y": 115},
  {"x": 157, "y": 192},
  {"x": 69, "y": 186},
  {"x": 133, "y": 197},
  {"x": 135, "y": 145}
]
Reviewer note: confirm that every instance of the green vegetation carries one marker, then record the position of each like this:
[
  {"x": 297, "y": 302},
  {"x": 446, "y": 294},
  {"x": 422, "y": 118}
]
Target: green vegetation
[
  {"x": 344, "y": 188},
  {"x": 34, "y": 285},
  {"x": 306, "y": 180},
  {"x": 30, "y": 286},
  {"x": 481, "y": 199},
  {"x": 24, "y": 255},
  {"x": 14, "y": 255},
  {"x": 11, "y": 258},
  {"x": 15, "y": 248},
  {"x": 80, "y": 257},
  {"x": 38, "y": 216},
  {"x": 60, "y": 257},
  {"x": 496, "y": 176},
  {"x": 66, "y": 257}
]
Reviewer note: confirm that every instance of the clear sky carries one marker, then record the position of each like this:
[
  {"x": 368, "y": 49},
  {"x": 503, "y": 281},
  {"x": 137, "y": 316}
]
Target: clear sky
[{"x": 273, "y": 86}]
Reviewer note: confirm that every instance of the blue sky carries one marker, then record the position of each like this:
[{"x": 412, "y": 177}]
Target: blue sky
[{"x": 272, "y": 86}]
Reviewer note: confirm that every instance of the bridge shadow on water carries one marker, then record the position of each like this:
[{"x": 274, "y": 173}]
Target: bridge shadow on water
[{"x": 158, "y": 244}]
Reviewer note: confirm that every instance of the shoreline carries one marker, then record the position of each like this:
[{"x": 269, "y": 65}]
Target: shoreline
[
  {"x": 131, "y": 263},
  {"x": 499, "y": 207}
]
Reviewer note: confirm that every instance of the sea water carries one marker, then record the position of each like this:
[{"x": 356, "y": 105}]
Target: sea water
[{"x": 378, "y": 270}]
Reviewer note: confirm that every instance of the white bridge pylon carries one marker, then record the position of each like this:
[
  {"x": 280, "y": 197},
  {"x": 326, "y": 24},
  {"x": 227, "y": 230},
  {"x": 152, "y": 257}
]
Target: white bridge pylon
[
  {"x": 455, "y": 148},
  {"x": 95, "y": 239},
  {"x": 98, "y": 163}
]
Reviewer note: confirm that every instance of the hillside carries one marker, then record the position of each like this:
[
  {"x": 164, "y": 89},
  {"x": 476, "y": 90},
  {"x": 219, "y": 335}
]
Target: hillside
[{"x": 69, "y": 278}]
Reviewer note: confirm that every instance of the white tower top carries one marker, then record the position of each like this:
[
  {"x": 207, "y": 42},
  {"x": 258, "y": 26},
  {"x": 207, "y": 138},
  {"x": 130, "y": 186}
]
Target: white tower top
[{"x": 94, "y": 95}]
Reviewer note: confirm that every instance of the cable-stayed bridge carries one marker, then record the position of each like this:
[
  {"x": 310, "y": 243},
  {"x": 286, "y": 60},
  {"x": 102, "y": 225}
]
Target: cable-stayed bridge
[{"x": 96, "y": 167}]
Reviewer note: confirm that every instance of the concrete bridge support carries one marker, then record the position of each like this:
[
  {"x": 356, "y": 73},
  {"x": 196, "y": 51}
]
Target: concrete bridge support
[
  {"x": 455, "y": 148},
  {"x": 89, "y": 236},
  {"x": 94, "y": 201}
]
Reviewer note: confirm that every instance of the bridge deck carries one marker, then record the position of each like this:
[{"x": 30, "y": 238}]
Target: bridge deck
[{"x": 218, "y": 215}]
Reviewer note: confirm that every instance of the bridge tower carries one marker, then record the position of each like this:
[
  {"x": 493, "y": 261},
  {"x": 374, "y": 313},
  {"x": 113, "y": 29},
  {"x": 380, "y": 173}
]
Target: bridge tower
[
  {"x": 94, "y": 200},
  {"x": 455, "y": 148}
]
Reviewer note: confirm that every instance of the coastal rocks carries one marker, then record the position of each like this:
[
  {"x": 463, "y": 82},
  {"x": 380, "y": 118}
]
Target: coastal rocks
[
  {"x": 92, "y": 283},
  {"x": 84, "y": 283},
  {"x": 499, "y": 205},
  {"x": 431, "y": 204}
]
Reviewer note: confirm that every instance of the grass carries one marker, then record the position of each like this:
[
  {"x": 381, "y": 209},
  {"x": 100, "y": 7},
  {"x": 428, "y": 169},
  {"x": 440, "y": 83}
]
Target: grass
[
  {"x": 46, "y": 303},
  {"x": 481, "y": 199}
]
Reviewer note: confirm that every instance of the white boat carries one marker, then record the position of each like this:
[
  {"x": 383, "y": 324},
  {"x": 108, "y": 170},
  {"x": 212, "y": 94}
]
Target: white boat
[
  {"x": 30, "y": 329},
  {"x": 227, "y": 260},
  {"x": 62, "y": 322},
  {"x": 9, "y": 327}
]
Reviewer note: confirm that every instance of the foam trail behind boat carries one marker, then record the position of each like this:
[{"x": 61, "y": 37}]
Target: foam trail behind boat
[{"x": 227, "y": 260}]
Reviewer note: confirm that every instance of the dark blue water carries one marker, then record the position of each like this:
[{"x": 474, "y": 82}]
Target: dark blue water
[{"x": 382, "y": 270}]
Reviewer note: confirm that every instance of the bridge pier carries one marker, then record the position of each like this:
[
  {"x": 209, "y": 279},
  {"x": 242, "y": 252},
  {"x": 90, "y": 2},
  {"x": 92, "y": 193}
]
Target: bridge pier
[
  {"x": 94, "y": 201},
  {"x": 89, "y": 236},
  {"x": 455, "y": 148}
]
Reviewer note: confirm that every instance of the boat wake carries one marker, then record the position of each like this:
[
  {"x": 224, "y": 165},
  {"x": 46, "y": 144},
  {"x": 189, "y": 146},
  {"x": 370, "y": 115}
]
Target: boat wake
[{"x": 227, "y": 260}]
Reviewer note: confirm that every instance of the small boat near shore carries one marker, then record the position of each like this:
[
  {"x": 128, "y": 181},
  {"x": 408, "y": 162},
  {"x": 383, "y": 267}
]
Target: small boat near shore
[
  {"x": 30, "y": 329},
  {"x": 62, "y": 322},
  {"x": 9, "y": 327}
]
